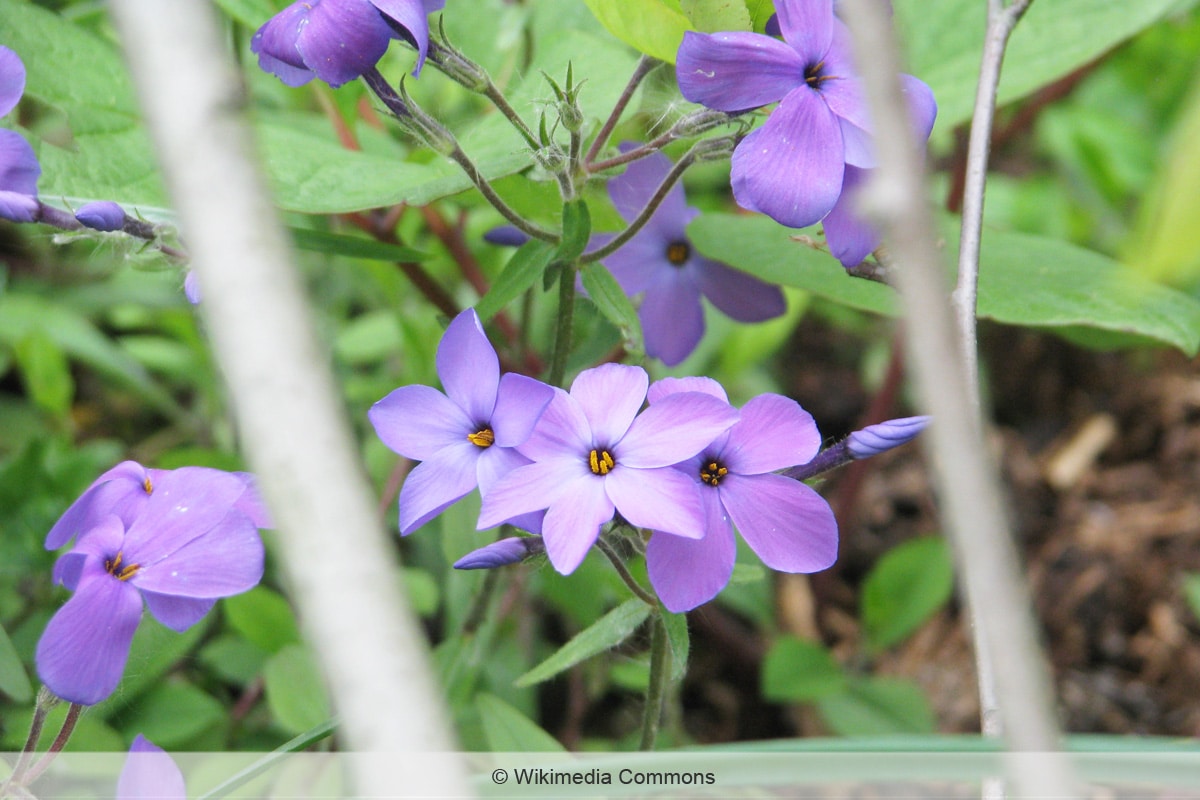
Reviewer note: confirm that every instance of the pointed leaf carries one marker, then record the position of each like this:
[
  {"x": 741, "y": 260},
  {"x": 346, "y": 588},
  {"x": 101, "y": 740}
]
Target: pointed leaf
[
  {"x": 904, "y": 588},
  {"x": 609, "y": 631},
  {"x": 797, "y": 670},
  {"x": 521, "y": 273},
  {"x": 610, "y": 299},
  {"x": 509, "y": 731}
]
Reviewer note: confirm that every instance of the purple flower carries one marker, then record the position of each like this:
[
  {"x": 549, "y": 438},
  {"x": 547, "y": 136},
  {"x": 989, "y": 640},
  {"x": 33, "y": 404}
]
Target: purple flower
[
  {"x": 103, "y": 215},
  {"x": 660, "y": 263},
  {"x": 789, "y": 526},
  {"x": 790, "y": 169},
  {"x": 19, "y": 167},
  {"x": 191, "y": 287},
  {"x": 338, "y": 40},
  {"x": 150, "y": 773},
  {"x": 178, "y": 551},
  {"x": 498, "y": 554},
  {"x": 852, "y": 238},
  {"x": 465, "y": 437},
  {"x": 875, "y": 439},
  {"x": 593, "y": 453}
]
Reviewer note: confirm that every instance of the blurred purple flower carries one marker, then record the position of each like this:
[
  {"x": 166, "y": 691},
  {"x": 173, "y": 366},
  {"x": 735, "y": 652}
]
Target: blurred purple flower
[
  {"x": 875, "y": 439},
  {"x": 19, "y": 167},
  {"x": 191, "y": 287},
  {"x": 465, "y": 437},
  {"x": 506, "y": 236},
  {"x": 102, "y": 215},
  {"x": 183, "y": 547},
  {"x": 789, "y": 526},
  {"x": 149, "y": 773},
  {"x": 593, "y": 453},
  {"x": 660, "y": 263},
  {"x": 338, "y": 40},
  {"x": 498, "y": 554},
  {"x": 790, "y": 169}
]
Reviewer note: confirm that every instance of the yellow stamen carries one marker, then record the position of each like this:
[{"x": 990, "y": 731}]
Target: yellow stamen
[
  {"x": 147, "y": 485},
  {"x": 712, "y": 473},
  {"x": 482, "y": 438},
  {"x": 113, "y": 567},
  {"x": 677, "y": 253},
  {"x": 601, "y": 462}
]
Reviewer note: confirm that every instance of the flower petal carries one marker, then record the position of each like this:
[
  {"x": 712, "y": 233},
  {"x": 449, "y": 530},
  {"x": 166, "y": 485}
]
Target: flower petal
[
  {"x": 791, "y": 168},
  {"x": 789, "y": 526},
  {"x": 686, "y": 573},
  {"x": 343, "y": 39},
  {"x": 529, "y": 488},
  {"x": 417, "y": 421},
  {"x": 639, "y": 261},
  {"x": 83, "y": 649},
  {"x": 97, "y": 502},
  {"x": 412, "y": 24},
  {"x": 251, "y": 502},
  {"x": 806, "y": 25},
  {"x": 276, "y": 40},
  {"x": 851, "y": 238},
  {"x": 668, "y": 386},
  {"x": 17, "y": 207},
  {"x": 609, "y": 396},
  {"x": 150, "y": 773},
  {"x": 520, "y": 403},
  {"x": 774, "y": 432},
  {"x": 19, "y": 168},
  {"x": 12, "y": 80},
  {"x": 573, "y": 522},
  {"x": 187, "y": 503},
  {"x": 436, "y": 483},
  {"x": 226, "y": 560},
  {"x": 672, "y": 316},
  {"x": 632, "y": 188},
  {"x": 922, "y": 107},
  {"x": 496, "y": 462},
  {"x": 675, "y": 428},
  {"x": 177, "y": 613},
  {"x": 468, "y": 367},
  {"x": 561, "y": 432},
  {"x": 663, "y": 499},
  {"x": 736, "y": 71},
  {"x": 739, "y": 295}
]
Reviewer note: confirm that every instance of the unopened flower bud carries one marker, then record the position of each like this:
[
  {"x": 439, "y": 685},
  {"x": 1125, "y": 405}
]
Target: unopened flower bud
[
  {"x": 506, "y": 236},
  {"x": 697, "y": 123},
  {"x": 551, "y": 158},
  {"x": 571, "y": 116},
  {"x": 458, "y": 68},
  {"x": 191, "y": 288},
  {"x": 875, "y": 439},
  {"x": 103, "y": 215},
  {"x": 506, "y": 551},
  {"x": 714, "y": 149}
]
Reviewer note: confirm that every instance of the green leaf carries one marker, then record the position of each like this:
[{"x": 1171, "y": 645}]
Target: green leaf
[
  {"x": 509, "y": 731},
  {"x": 648, "y": 26},
  {"x": 678, "y": 640},
  {"x": 878, "y": 706},
  {"x": 13, "y": 680},
  {"x": 904, "y": 588},
  {"x": 609, "y": 631},
  {"x": 577, "y": 228},
  {"x": 796, "y": 670},
  {"x": 422, "y": 591},
  {"x": 521, "y": 273},
  {"x": 172, "y": 714},
  {"x": 370, "y": 338},
  {"x": 233, "y": 659},
  {"x": 766, "y": 249},
  {"x": 945, "y": 44},
  {"x": 339, "y": 244},
  {"x": 263, "y": 617},
  {"x": 45, "y": 372},
  {"x": 760, "y": 12},
  {"x": 1191, "y": 590},
  {"x": 295, "y": 690},
  {"x": 614, "y": 304},
  {"x": 711, "y": 16}
]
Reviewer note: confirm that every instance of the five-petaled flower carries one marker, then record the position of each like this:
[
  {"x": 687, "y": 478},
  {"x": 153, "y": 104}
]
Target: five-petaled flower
[
  {"x": 660, "y": 262},
  {"x": 594, "y": 454},
  {"x": 19, "y": 167},
  {"x": 178, "y": 550},
  {"x": 792, "y": 168},
  {"x": 789, "y": 525},
  {"x": 465, "y": 437},
  {"x": 338, "y": 40}
]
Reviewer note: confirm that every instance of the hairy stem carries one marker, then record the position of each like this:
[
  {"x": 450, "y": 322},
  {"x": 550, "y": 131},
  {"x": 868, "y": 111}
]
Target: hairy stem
[
  {"x": 562, "y": 329},
  {"x": 644, "y": 67},
  {"x": 60, "y": 741},
  {"x": 656, "y": 688},
  {"x": 481, "y": 183},
  {"x": 619, "y": 565}
]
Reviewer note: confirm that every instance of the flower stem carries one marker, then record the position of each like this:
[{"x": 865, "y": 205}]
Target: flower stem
[
  {"x": 644, "y": 67},
  {"x": 649, "y": 148},
  {"x": 459, "y": 157},
  {"x": 501, "y": 103},
  {"x": 627, "y": 576},
  {"x": 60, "y": 741},
  {"x": 644, "y": 215},
  {"x": 656, "y": 688},
  {"x": 45, "y": 702},
  {"x": 566, "y": 319}
]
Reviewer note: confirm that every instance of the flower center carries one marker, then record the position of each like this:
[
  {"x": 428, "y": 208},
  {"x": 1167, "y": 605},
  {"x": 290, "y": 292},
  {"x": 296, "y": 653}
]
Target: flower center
[
  {"x": 482, "y": 437},
  {"x": 147, "y": 485},
  {"x": 601, "y": 462},
  {"x": 712, "y": 471},
  {"x": 815, "y": 75},
  {"x": 678, "y": 252},
  {"x": 121, "y": 572}
]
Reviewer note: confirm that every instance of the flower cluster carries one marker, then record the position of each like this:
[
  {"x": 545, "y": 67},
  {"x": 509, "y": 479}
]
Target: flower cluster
[
  {"x": 688, "y": 466},
  {"x": 801, "y": 165},
  {"x": 175, "y": 540},
  {"x": 19, "y": 167}
]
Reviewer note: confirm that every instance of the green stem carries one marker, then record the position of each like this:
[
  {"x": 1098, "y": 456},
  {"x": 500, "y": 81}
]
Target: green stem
[
  {"x": 44, "y": 704},
  {"x": 656, "y": 689},
  {"x": 501, "y": 103},
  {"x": 60, "y": 741},
  {"x": 644, "y": 67},
  {"x": 482, "y": 603},
  {"x": 489, "y": 194},
  {"x": 566, "y": 319},
  {"x": 627, "y": 576},
  {"x": 649, "y": 148}
]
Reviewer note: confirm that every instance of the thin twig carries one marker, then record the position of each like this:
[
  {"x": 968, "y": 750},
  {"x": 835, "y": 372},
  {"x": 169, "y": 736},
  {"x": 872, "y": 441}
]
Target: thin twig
[
  {"x": 60, "y": 741},
  {"x": 481, "y": 183},
  {"x": 644, "y": 67},
  {"x": 966, "y": 477},
  {"x": 619, "y": 565}
]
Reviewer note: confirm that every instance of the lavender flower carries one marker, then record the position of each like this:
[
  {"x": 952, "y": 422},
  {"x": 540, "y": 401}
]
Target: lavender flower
[
  {"x": 593, "y": 453},
  {"x": 183, "y": 547},
  {"x": 660, "y": 263},
  {"x": 191, "y": 288},
  {"x": 19, "y": 167},
  {"x": 103, "y": 215},
  {"x": 875, "y": 439},
  {"x": 790, "y": 169},
  {"x": 498, "y": 554},
  {"x": 789, "y": 526},
  {"x": 149, "y": 772},
  {"x": 465, "y": 437},
  {"x": 338, "y": 40}
]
